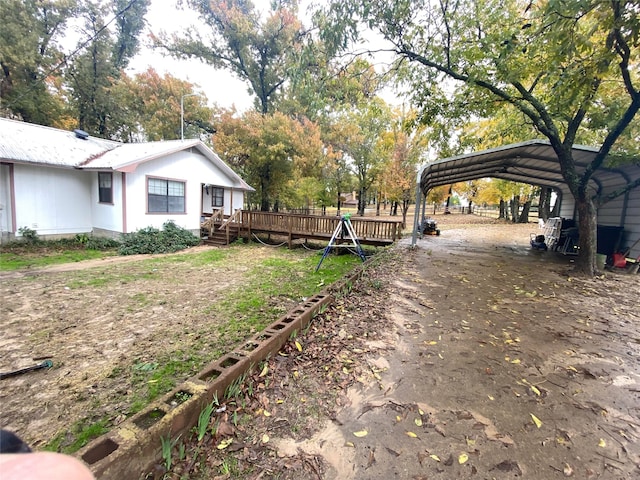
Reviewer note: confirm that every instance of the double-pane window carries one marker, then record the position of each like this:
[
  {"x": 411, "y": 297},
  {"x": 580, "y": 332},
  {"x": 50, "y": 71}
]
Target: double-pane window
[
  {"x": 165, "y": 196},
  {"x": 105, "y": 187},
  {"x": 217, "y": 197}
]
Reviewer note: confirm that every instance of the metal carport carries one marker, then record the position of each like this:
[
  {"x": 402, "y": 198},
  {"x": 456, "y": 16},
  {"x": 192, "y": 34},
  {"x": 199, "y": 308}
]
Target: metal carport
[{"x": 534, "y": 162}]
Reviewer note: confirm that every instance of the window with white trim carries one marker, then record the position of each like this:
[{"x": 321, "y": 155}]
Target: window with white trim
[
  {"x": 165, "y": 196},
  {"x": 105, "y": 187}
]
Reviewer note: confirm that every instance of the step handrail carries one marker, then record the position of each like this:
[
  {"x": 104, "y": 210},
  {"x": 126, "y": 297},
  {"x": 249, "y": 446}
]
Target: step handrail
[{"x": 232, "y": 219}]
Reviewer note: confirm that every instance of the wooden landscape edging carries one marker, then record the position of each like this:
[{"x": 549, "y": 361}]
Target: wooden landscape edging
[{"x": 132, "y": 448}]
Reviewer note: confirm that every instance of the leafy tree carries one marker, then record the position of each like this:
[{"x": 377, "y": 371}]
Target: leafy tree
[
  {"x": 153, "y": 111},
  {"x": 492, "y": 51},
  {"x": 437, "y": 196},
  {"x": 268, "y": 151},
  {"x": 29, "y": 55},
  {"x": 359, "y": 138},
  {"x": 93, "y": 72},
  {"x": 260, "y": 52},
  {"x": 408, "y": 147}
]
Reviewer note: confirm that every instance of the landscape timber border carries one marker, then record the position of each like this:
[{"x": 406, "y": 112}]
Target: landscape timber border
[{"x": 131, "y": 449}]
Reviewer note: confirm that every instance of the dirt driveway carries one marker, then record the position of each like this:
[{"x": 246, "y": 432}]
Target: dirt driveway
[{"x": 469, "y": 357}]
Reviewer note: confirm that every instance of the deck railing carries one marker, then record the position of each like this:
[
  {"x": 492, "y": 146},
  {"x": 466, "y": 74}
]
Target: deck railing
[{"x": 366, "y": 229}]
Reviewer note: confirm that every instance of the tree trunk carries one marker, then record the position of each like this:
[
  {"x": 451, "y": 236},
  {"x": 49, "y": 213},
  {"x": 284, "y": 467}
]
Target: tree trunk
[
  {"x": 362, "y": 201},
  {"x": 524, "y": 216},
  {"x": 544, "y": 204},
  {"x": 556, "y": 210},
  {"x": 515, "y": 206},
  {"x": 470, "y": 207},
  {"x": 446, "y": 208},
  {"x": 405, "y": 209},
  {"x": 503, "y": 209},
  {"x": 587, "y": 226}
]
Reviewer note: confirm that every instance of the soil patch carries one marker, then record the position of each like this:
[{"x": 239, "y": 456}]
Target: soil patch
[
  {"x": 470, "y": 356},
  {"x": 108, "y": 326}
]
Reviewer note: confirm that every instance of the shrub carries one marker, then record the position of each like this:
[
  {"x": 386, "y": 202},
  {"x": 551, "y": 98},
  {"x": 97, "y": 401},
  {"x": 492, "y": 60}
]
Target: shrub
[
  {"x": 151, "y": 240},
  {"x": 101, "y": 243},
  {"x": 29, "y": 235}
]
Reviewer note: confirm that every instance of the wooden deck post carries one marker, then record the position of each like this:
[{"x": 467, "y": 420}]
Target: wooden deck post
[{"x": 290, "y": 218}]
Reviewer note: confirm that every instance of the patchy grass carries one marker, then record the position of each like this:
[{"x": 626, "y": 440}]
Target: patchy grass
[
  {"x": 81, "y": 433},
  {"x": 198, "y": 323},
  {"x": 11, "y": 260}
]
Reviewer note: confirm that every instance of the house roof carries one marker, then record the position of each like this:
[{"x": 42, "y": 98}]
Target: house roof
[
  {"x": 29, "y": 143},
  {"x": 36, "y": 144},
  {"x": 533, "y": 162}
]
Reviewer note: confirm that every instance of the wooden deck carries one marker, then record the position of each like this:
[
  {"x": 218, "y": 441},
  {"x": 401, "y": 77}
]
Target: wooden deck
[{"x": 370, "y": 231}]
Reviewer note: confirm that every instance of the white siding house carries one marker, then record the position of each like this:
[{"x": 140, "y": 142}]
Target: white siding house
[{"x": 63, "y": 183}]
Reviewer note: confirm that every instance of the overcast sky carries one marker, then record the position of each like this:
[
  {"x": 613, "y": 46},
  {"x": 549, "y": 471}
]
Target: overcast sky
[{"x": 219, "y": 86}]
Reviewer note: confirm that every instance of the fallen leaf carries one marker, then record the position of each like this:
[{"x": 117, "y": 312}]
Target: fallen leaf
[
  {"x": 602, "y": 443},
  {"x": 412, "y": 435},
  {"x": 298, "y": 346},
  {"x": 420, "y": 411},
  {"x": 264, "y": 371},
  {"x": 536, "y": 420},
  {"x": 567, "y": 470},
  {"x": 535, "y": 390},
  {"x": 266, "y": 414},
  {"x": 265, "y": 438},
  {"x": 435, "y": 457},
  {"x": 490, "y": 397},
  {"x": 463, "y": 458},
  {"x": 225, "y": 429},
  {"x": 361, "y": 433},
  {"x": 418, "y": 422},
  {"x": 225, "y": 443},
  {"x": 349, "y": 444}
]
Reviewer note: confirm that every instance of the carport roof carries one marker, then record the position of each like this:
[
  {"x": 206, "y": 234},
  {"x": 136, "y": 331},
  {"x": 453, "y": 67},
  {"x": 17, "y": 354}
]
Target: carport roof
[{"x": 533, "y": 162}]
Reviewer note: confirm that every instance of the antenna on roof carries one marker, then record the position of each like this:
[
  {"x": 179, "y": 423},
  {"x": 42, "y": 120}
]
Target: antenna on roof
[{"x": 81, "y": 134}]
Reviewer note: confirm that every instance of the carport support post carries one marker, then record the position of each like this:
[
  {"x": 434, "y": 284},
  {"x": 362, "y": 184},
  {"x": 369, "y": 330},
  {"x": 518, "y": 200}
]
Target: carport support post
[{"x": 417, "y": 209}]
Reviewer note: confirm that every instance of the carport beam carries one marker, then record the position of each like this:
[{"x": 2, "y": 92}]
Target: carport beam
[{"x": 416, "y": 214}]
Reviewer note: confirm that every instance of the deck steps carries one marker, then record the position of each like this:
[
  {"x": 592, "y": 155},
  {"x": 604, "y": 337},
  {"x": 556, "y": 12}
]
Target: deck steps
[{"x": 219, "y": 237}]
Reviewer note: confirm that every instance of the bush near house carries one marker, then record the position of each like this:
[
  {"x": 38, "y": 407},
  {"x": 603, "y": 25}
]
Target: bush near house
[{"x": 151, "y": 240}]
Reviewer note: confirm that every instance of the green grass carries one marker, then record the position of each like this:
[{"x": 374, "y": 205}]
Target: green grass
[
  {"x": 10, "y": 261},
  {"x": 82, "y": 432}
]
